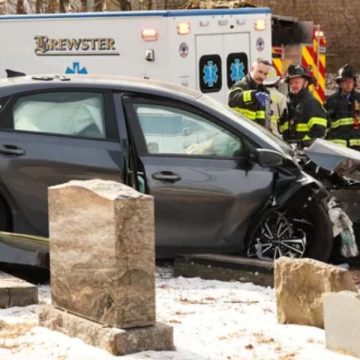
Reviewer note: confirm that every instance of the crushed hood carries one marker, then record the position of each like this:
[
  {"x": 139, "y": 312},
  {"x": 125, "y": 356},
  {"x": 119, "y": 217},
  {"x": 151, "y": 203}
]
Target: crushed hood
[{"x": 333, "y": 157}]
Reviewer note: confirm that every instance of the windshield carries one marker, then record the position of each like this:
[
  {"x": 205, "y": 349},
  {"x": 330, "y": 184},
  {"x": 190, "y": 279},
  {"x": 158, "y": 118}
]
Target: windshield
[{"x": 218, "y": 106}]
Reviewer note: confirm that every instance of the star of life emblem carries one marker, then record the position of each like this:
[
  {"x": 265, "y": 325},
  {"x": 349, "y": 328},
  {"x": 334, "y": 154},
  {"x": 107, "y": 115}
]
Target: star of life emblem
[
  {"x": 210, "y": 72},
  {"x": 76, "y": 69},
  {"x": 237, "y": 70}
]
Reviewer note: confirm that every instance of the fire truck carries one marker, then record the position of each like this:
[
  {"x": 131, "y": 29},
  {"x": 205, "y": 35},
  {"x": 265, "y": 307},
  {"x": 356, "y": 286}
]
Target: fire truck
[
  {"x": 208, "y": 50},
  {"x": 300, "y": 42}
]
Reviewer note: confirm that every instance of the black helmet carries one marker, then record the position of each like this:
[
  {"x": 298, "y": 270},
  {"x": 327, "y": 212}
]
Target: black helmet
[
  {"x": 295, "y": 71},
  {"x": 346, "y": 71}
]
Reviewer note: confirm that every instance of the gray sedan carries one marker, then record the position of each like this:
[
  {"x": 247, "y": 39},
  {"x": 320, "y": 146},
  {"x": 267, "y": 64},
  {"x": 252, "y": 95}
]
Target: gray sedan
[{"x": 221, "y": 183}]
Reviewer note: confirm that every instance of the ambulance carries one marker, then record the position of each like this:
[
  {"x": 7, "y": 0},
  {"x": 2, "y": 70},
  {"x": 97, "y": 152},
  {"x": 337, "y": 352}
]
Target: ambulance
[{"x": 208, "y": 50}]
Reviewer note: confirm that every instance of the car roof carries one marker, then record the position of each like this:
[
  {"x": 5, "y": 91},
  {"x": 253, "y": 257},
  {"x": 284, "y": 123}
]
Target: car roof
[{"x": 118, "y": 82}]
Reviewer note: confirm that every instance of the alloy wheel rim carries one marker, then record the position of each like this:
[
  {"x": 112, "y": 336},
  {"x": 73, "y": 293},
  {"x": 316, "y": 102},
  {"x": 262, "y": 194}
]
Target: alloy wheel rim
[{"x": 276, "y": 237}]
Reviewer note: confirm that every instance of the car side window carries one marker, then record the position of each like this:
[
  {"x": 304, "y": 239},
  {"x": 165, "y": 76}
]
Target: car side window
[
  {"x": 64, "y": 113},
  {"x": 170, "y": 130}
]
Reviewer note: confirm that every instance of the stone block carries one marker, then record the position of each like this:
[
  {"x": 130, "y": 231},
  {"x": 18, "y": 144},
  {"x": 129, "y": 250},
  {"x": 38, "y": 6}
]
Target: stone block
[
  {"x": 342, "y": 322},
  {"x": 157, "y": 337},
  {"x": 300, "y": 285},
  {"x": 16, "y": 292},
  {"x": 102, "y": 252}
]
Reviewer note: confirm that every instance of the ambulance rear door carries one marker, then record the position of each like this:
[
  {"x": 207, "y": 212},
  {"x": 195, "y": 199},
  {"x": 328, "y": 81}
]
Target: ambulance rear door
[{"x": 221, "y": 61}]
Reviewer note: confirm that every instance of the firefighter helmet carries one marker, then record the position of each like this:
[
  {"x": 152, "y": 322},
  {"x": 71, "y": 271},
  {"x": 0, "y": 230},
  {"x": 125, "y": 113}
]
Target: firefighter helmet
[
  {"x": 347, "y": 71},
  {"x": 295, "y": 71},
  {"x": 272, "y": 77}
]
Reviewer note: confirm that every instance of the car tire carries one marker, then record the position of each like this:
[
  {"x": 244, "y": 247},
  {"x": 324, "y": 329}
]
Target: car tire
[
  {"x": 322, "y": 240},
  {"x": 294, "y": 232}
]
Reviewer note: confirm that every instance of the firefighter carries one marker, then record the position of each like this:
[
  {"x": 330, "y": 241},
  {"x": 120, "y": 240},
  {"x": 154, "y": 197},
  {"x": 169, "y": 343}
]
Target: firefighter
[
  {"x": 305, "y": 119},
  {"x": 250, "y": 97},
  {"x": 343, "y": 110},
  {"x": 278, "y": 99}
]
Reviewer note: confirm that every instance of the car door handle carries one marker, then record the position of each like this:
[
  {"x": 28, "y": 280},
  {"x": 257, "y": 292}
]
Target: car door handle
[
  {"x": 166, "y": 176},
  {"x": 11, "y": 150}
]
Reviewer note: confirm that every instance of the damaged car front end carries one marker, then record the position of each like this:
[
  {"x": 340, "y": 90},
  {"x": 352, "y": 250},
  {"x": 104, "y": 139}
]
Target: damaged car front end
[
  {"x": 338, "y": 168},
  {"x": 314, "y": 214},
  {"x": 295, "y": 222}
]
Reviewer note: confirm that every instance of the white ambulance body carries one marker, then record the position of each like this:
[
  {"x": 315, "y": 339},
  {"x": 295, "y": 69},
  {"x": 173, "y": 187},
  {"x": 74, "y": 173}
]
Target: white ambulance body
[{"x": 203, "y": 49}]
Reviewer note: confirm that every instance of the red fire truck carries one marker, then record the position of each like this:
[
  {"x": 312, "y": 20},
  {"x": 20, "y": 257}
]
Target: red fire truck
[{"x": 300, "y": 42}]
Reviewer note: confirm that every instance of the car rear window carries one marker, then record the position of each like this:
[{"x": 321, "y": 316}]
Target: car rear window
[{"x": 65, "y": 113}]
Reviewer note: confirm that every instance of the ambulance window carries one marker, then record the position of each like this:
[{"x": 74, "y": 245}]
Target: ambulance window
[
  {"x": 236, "y": 67},
  {"x": 210, "y": 74},
  {"x": 64, "y": 113}
]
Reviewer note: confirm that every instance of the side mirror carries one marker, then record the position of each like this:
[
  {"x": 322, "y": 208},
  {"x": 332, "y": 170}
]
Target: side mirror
[{"x": 268, "y": 158}]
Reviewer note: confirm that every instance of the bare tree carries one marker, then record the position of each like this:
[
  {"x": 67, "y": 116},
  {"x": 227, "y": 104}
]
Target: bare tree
[
  {"x": 100, "y": 5},
  {"x": 38, "y": 5},
  {"x": 52, "y": 6},
  {"x": 125, "y": 5},
  {"x": 84, "y": 6},
  {"x": 20, "y": 7},
  {"x": 64, "y": 6}
]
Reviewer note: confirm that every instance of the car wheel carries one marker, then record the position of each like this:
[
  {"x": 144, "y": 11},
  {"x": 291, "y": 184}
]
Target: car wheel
[{"x": 294, "y": 233}]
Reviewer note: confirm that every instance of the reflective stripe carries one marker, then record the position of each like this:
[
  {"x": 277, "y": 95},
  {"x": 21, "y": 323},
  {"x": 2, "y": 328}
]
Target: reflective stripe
[
  {"x": 275, "y": 98},
  {"x": 247, "y": 96},
  {"x": 260, "y": 114},
  {"x": 339, "y": 142},
  {"x": 306, "y": 137},
  {"x": 305, "y": 127},
  {"x": 252, "y": 115},
  {"x": 313, "y": 121},
  {"x": 317, "y": 121},
  {"x": 247, "y": 113},
  {"x": 302, "y": 128},
  {"x": 354, "y": 142},
  {"x": 274, "y": 120},
  {"x": 342, "y": 122},
  {"x": 284, "y": 127}
]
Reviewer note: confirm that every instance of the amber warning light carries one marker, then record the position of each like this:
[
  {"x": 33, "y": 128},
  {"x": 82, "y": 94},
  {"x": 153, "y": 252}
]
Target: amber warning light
[
  {"x": 260, "y": 24},
  {"x": 183, "y": 28},
  {"x": 149, "y": 34}
]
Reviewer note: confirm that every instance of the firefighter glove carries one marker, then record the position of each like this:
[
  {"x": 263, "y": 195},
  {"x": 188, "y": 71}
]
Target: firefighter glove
[{"x": 262, "y": 98}]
